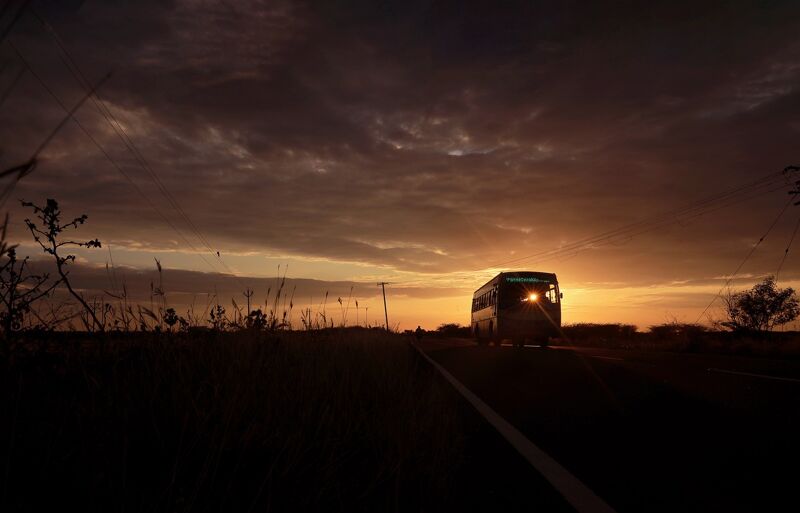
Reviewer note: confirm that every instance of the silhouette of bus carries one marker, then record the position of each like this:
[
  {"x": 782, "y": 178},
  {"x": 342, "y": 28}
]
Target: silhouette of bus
[{"x": 519, "y": 306}]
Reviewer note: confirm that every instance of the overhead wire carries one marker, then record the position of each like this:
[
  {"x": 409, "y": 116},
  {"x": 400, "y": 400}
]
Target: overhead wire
[
  {"x": 769, "y": 183},
  {"x": 17, "y": 15},
  {"x": 72, "y": 66},
  {"x": 643, "y": 225},
  {"x": 662, "y": 224},
  {"x": 742, "y": 193},
  {"x": 747, "y": 257},
  {"x": 629, "y": 231},
  {"x": 27, "y": 167},
  {"x": 119, "y": 130},
  {"x": 5, "y": 7},
  {"x": 116, "y": 165},
  {"x": 786, "y": 252},
  {"x": 11, "y": 86}
]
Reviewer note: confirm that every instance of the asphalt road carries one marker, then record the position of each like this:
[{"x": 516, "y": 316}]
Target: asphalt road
[{"x": 650, "y": 431}]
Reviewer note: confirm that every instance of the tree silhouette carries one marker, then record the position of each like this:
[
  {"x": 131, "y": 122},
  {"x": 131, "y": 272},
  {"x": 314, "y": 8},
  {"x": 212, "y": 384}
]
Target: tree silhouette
[{"x": 761, "y": 308}]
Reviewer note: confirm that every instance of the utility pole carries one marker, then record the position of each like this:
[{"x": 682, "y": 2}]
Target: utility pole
[
  {"x": 248, "y": 293},
  {"x": 385, "y": 312}
]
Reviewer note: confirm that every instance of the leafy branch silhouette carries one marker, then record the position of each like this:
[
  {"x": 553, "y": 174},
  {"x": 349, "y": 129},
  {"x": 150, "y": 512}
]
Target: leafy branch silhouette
[{"x": 47, "y": 231}]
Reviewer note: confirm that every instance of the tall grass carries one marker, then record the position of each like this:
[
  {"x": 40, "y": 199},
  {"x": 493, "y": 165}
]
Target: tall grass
[
  {"x": 339, "y": 420},
  {"x": 115, "y": 311}
]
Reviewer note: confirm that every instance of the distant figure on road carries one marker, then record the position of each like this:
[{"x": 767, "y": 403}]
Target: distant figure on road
[{"x": 418, "y": 333}]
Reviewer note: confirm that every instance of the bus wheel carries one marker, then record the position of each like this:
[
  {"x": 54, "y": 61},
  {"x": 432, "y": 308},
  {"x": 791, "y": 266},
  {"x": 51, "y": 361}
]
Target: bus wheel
[
  {"x": 477, "y": 334},
  {"x": 493, "y": 335}
]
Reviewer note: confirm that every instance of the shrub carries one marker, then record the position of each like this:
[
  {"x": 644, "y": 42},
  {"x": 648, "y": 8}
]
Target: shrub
[
  {"x": 677, "y": 330},
  {"x": 585, "y": 332},
  {"x": 453, "y": 330}
]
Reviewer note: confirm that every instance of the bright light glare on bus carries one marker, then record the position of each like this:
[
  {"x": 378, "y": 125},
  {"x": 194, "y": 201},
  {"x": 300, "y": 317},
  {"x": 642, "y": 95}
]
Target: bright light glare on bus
[{"x": 533, "y": 297}]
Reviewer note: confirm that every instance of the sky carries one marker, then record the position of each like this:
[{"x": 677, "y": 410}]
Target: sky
[{"x": 426, "y": 144}]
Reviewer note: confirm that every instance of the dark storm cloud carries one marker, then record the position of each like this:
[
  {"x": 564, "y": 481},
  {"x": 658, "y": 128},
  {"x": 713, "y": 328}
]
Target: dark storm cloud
[{"x": 425, "y": 136}]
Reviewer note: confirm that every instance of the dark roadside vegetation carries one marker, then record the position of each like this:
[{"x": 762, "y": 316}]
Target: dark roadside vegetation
[
  {"x": 109, "y": 405},
  {"x": 680, "y": 338},
  {"x": 328, "y": 420},
  {"x": 749, "y": 326},
  {"x": 669, "y": 337},
  {"x": 225, "y": 422}
]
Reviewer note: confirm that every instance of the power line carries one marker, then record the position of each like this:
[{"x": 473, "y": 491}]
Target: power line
[
  {"x": 795, "y": 192},
  {"x": 72, "y": 66},
  {"x": 628, "y": 236},
  {"x": 767, "y": 184},
  {"x": 696, "y": 209},
  {"x": 14, "y": 20},
  {"x": 107, "y": 155},
  {"x": 656, "y": 221},
  {"x": 6, "y": 5},
  {"x": 11, "y": 86},
  {"x": 788, "y": 246},
  {"x": 747, "y": 257},
  {"x": 26, "y": 168},
  {"x": 622, "y": 232}
]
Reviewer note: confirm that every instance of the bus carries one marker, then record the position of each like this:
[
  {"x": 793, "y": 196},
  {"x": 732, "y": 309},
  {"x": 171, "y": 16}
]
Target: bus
[{"x": 519, "y": 306}]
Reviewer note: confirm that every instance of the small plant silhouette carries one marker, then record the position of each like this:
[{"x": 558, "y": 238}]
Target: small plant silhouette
[
  {"x": 217, "y": 318},
  {"x": 47, "y": 231},
  {"x": 19, "y": 288},
  {"x": 170, "y": 318},
  {"x": 257, "y": 320}
]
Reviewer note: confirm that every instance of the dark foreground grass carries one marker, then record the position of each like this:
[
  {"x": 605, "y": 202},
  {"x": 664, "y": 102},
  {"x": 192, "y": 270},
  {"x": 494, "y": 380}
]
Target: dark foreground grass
[{"x": 331, "y": 420}]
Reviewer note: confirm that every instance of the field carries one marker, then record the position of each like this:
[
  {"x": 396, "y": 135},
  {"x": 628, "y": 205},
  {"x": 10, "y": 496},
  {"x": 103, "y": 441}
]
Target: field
[
  {"x": 334, "y": 420},
  {"x": 343, "y": 419},
  {"x": 225, "y": 422}
]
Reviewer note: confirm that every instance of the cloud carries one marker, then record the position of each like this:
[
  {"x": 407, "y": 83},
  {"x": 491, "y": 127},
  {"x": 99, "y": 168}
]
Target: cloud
[
  {"x": 424, "y": 138},
  {"x": 182, "y": 285}
]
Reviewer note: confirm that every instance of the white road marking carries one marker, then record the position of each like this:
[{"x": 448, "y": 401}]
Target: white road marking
[
  {"x": 607, "y": 357},
  {"x": 575, "y": 492},
  {"x": 752, "y": 375},
  {"x": 526, "y": 345}
]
